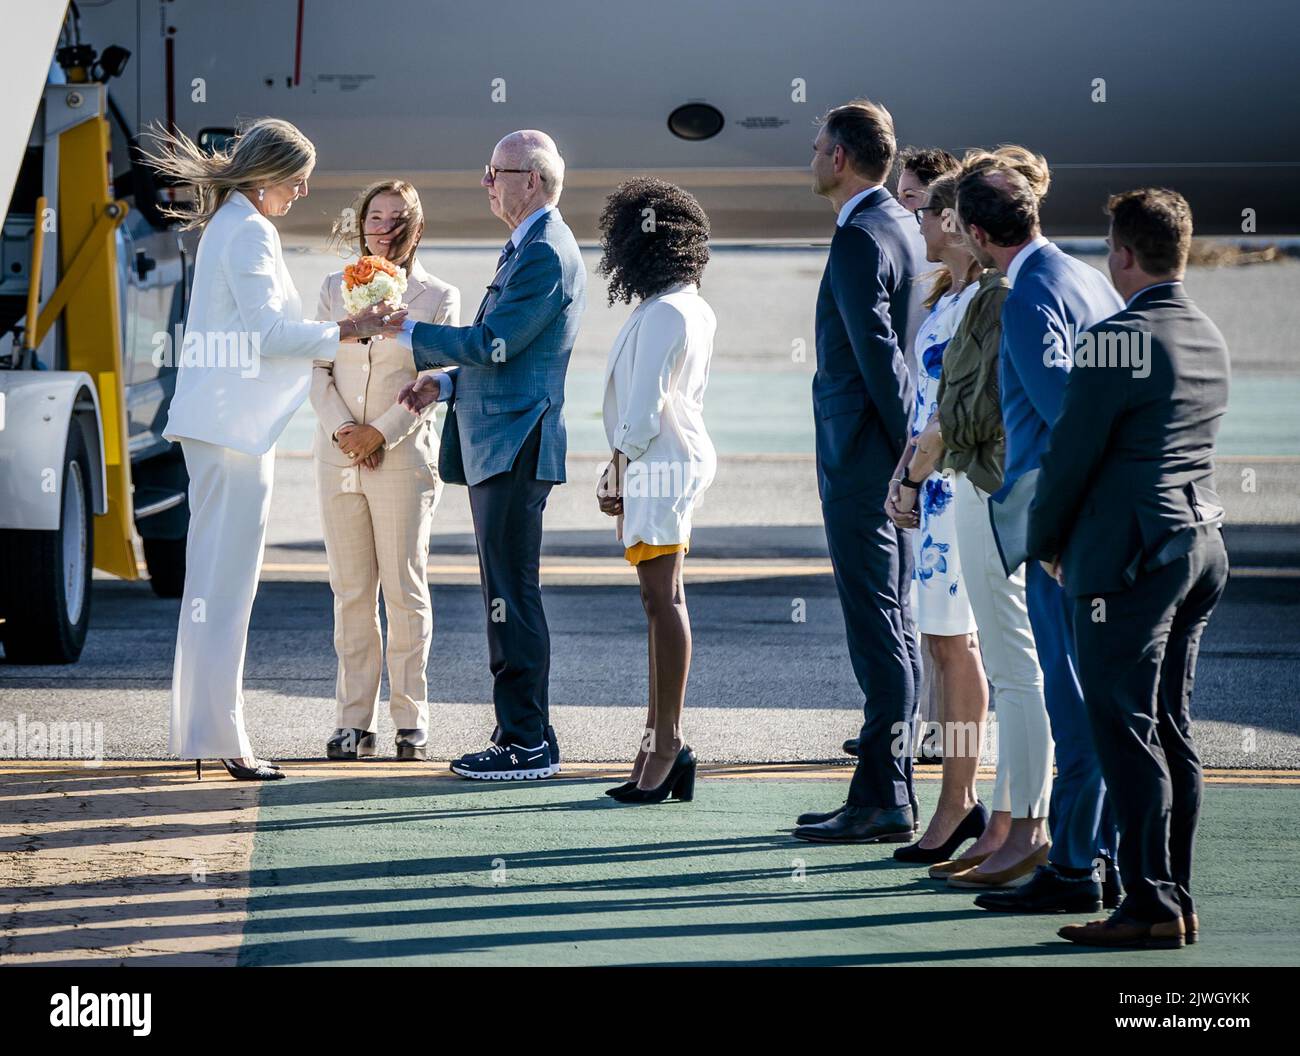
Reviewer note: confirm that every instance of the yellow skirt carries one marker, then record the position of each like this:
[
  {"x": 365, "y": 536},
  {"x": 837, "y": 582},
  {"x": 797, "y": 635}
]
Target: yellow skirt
[{"x": 644, "y": 551}]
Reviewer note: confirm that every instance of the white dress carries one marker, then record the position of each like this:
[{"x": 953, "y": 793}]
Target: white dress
[
  {"x": 942, "y": 607},
  {"x": 653, "y": 411}
]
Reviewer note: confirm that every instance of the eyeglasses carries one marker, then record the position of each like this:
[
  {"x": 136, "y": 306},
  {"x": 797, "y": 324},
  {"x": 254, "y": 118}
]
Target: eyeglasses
[
  {"x": 920, "y": 209},
  {"x": 490, "y": 172}
]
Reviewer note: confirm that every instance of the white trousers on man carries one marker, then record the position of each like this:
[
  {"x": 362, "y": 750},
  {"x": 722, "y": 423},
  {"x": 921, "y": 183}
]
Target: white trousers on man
[
  {"x": 376, "y": 524},
  {"x": 1024, "y": 775},
  {"x": 230, "y": 500}
]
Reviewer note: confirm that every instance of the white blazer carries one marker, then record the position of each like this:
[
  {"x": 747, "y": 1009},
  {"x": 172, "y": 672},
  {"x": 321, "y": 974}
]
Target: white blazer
[
  {"x": 246, "y": 358},
  {"x": 654, "y": 413}
]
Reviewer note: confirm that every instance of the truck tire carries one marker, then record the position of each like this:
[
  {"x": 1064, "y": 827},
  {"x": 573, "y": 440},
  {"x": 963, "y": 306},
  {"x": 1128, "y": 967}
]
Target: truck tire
[
  {"x": 46, "y": 575},
  {"x": 166, "y": 561}
]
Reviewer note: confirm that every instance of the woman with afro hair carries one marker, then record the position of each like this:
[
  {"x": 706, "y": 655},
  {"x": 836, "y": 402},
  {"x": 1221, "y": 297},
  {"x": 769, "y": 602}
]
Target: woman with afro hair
[{"x": 655, "y": 241}]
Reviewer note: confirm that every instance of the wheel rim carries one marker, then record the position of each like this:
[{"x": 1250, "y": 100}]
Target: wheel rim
[{"x": 74, "y": 543}]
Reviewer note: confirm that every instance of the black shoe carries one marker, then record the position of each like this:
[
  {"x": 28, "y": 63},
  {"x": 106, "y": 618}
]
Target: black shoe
[
  {"x": 1047, "y": 891},
  {"x": 261, "y": 772},
  {"x": 412, "y": 744},
  {"x": 971, "y": 828},
  {"x": 351, "y": 744},
  {"x": 680, "y": 782},
  {"x": 621, "y": 790},
  {"x": 851, "y": 747},
  {"x": 554, "y": 746},
  {"x": 1112, "y": 890},
  {"x": 506, "y": 762},
  {"x": 861, "y": 825},
  {"x": 817, "y": 817},
  {"x": 814, "y": 817}
]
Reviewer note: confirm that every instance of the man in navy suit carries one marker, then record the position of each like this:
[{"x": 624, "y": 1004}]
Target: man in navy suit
[
  {"x": 1126, "y": 514},
  {"x": 1053, "y": 298},
  {"x": 868, "y": 308},
  {"x": 504, "y": 436}
]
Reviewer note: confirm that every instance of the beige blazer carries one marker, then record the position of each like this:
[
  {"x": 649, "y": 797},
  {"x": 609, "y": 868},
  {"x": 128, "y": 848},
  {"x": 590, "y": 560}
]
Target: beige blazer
[{"x": 362, "y": 382}]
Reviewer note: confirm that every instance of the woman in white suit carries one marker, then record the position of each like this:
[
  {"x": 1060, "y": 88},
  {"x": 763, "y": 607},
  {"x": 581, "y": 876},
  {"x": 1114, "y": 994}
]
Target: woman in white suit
[
  {"x": 244, "y": 368},
  {"x": 377, "y": 479},
  {"x": 655, "y": 241}
]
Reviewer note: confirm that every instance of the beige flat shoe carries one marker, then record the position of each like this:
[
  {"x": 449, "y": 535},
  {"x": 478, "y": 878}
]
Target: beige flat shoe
[
  {"x": 943, "y": 870},
  {"x": 1012, "y": 876}
]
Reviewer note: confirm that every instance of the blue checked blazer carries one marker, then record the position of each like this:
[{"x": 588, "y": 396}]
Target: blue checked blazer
[{"x": 512, "y": 360}]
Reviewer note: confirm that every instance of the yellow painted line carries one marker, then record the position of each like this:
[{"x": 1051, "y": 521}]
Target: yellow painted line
[
  {"x": 701, "y": 567},
  {"x": 437, "y": 770}
]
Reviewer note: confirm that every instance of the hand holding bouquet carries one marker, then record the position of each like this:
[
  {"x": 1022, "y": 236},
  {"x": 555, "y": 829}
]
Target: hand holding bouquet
[{"x": 372, "y": 294}]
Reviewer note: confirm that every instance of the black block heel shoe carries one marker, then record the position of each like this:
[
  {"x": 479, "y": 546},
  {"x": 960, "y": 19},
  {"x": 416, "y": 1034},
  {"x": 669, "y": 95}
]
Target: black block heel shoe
[
  {"x": 619, "y": 791},
  {"x": 971, "y": 828},
  {"x": 680, "y": 782}
]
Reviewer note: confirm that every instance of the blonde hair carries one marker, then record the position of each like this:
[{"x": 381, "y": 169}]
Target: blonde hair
[
  {"x": 350, "y": 229},
  {"x": 1030, "y": 165},
  {"x": 943, "y": 193},
  {"x": 268, "y": 151}
]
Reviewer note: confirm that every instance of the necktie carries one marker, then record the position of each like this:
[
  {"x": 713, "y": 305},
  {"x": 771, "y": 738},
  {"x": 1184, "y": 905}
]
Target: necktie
[{"x": 506, "y": 254}]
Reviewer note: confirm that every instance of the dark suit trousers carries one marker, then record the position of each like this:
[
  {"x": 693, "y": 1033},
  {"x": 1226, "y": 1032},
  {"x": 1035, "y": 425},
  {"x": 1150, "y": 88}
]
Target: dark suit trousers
[
  {"x": 872, "y": 561},
  {"x": 1137, "y": 668},
  {"x": 507, "y": 511},
  {"x": 1081, "y": 828}
]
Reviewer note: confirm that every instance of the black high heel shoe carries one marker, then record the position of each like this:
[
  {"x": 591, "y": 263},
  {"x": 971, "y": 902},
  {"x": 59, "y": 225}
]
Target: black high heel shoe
[
  {"x": 621, "y": 790},
  {"x": 260, "y": 772},
  {"x": 680, "y": 782},
  {"x": 971, "y": 827}
]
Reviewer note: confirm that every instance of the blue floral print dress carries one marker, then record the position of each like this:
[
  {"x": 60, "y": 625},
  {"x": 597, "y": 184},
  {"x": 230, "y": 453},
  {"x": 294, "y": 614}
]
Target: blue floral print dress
[{"x": 941, "y": 604}]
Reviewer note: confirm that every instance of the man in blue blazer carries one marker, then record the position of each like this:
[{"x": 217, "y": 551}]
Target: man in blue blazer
[
  {"x": 504, "y": 436},
  {"x": 1053, "y": 298},
  {"x": 868, "y": 308}
]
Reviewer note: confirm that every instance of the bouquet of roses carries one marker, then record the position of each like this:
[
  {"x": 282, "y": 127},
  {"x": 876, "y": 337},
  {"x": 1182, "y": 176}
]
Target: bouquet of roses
[{"x": 370, "y": 281}]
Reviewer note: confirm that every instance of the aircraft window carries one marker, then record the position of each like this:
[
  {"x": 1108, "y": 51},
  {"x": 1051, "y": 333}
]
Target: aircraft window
[{"x": 696, "y": 121}]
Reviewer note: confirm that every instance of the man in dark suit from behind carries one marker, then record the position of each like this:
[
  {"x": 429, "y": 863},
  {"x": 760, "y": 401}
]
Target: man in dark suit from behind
[
  {"x": 868, "y": 308},
  {"x": 1126, "y": 516}
]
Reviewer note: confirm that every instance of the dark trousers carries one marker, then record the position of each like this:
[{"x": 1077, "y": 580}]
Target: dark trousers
[
  {"x": 507, "y": 511},
  {"x": 872, "y": 561},
  {"x": 1137, "y": 666},
  {"x": 1080, "y": 826}
]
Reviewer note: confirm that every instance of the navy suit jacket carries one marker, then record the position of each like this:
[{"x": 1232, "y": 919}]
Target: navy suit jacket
[
  {"x": 868, "y": 309},
  {"x": 512, "y": 360},
  {"x": 1055, "y": 298}
]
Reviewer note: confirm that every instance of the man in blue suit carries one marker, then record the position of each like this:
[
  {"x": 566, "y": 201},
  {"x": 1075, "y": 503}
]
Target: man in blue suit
[
  {"x": 504, "y": 436},
  {"x": 1053, "y": 298},
  {"x": 868, "y": 308}
]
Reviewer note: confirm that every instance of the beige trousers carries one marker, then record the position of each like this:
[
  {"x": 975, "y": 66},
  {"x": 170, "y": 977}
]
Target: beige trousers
[
  {"x": 376, "y": 525},
  {"x": 1024, "y": 777}
]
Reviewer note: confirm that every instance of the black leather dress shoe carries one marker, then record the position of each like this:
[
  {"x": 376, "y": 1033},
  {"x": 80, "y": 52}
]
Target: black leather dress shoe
[
  {"x": 816, "y": 817},
  {"x": 1047, "y": 891},
  {"x": 350, "y": 744},
  {"x": 851, "y": 747},
  {"x": 412, "y": 744},
  {"x": 861, "y": 825}
]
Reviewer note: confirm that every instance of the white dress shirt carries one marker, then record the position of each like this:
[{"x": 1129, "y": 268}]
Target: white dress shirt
[
  {"x": 846, "y": 210},
  {"x": 1018, "y": 261}
]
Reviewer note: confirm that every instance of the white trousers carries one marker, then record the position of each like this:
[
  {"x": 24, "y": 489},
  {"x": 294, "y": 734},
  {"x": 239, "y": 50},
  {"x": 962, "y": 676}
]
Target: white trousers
[
  {"x": 1024, "y": 776},
  {"x": 230, "y": 498}
]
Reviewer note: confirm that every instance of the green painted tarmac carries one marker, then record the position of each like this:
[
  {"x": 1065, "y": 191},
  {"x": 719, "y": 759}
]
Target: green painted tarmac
[{"x": 442, "y": 872}]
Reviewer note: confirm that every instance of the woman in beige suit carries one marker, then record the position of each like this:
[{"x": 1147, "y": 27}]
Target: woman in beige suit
[{"x": 377, "y": 478}]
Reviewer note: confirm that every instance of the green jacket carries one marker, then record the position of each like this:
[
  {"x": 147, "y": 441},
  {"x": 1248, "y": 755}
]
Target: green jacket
[{"x": 970, "y": 407}]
